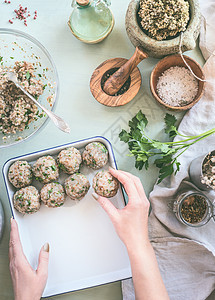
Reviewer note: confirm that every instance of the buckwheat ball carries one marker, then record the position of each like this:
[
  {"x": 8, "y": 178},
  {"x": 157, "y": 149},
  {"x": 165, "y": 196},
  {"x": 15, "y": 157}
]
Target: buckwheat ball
[
  {"x": 20, "y": 174},
  {"x": 105, "y": 184},
  {"x": 45, "y": 169},
  {"x": 52, "y": 194},
  {"x": 27, "y": 200},
  {"x": 69, "y": 160},
  {"x": 95, "y": 155},
  {"x": 77, "y": 186}
]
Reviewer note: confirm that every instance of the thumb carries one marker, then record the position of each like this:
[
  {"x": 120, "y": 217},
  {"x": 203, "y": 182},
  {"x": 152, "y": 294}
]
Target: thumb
[
  {"x": 110, "y": 209},
  {"x": 43, "y": 261}
]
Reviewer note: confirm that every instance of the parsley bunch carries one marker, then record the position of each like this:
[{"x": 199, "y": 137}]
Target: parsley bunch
[{"x": 163, "y": 154}]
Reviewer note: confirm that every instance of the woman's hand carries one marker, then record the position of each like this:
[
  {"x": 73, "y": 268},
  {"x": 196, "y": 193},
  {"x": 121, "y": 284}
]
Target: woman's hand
[
  {"x": 27, "y": 283},
  {"x": 131, "y": 222}
]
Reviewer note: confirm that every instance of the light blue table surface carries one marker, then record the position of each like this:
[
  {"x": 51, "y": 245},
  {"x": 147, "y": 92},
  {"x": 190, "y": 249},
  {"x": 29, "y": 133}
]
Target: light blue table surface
[{"x": 75, "y": 62}]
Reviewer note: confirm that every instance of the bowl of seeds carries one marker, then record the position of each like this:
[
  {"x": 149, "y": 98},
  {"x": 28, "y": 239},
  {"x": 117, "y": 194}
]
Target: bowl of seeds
[
  {"x": 173, "y": 85},
  {"x": 155, "y": 25},
  {"x": 202, "y": 171}
]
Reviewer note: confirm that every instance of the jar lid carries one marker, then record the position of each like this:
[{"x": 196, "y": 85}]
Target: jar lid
[{"x": 83, "y": 2}]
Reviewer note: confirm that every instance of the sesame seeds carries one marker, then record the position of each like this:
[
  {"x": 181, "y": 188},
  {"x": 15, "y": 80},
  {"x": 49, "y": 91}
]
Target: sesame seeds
[
  {"x": 177, "y": 86},
  {"x": 164, "y": 18}
]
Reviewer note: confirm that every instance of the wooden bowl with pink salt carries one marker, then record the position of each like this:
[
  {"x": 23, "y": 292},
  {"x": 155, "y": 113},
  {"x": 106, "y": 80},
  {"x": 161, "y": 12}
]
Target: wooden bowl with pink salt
[{"x": 173, "y": 85}]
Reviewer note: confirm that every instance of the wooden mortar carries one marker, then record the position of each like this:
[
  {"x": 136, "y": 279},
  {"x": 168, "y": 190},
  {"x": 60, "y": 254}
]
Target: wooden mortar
[{"x": 106, "y": 95}]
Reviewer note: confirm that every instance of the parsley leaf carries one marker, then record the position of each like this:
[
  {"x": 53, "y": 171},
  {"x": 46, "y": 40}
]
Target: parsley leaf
[
  {"x": 164, "y": 155},
  {"x": 124, "y": 136},
  {"x": 27, "y": 75},
  {"x": 170, "y": 129}
]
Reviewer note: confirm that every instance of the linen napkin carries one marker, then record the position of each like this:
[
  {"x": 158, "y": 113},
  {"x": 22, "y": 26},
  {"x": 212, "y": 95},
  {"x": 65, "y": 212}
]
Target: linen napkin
[
  {"x": 186, "y": 256},
  {"x": 207, "y": 40}
]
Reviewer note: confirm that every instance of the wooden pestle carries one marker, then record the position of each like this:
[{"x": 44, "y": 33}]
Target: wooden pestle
[{"x": 118, "y": 79}]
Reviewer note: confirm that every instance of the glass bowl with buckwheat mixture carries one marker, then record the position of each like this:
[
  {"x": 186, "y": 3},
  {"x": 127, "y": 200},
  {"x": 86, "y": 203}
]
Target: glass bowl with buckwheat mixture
[{"x": 36, "y": 71}]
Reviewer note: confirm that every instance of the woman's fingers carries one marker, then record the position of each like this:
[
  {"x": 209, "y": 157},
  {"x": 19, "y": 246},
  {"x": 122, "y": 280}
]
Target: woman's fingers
[
  {"x": 15, "y": 247},
  {"x": 110, "y": 209},
  {"x": 127, "y": 182},
  {"x": 137, "y": 183},
  {"x": 42, "y": 269}
]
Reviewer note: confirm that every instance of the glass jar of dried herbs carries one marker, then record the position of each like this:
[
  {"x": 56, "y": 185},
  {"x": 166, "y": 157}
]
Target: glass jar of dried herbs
[{"x": 193, "y": 208}]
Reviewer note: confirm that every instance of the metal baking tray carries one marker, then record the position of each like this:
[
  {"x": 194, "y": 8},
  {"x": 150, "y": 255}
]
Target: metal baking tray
[{"x": 85, "y": 250}]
